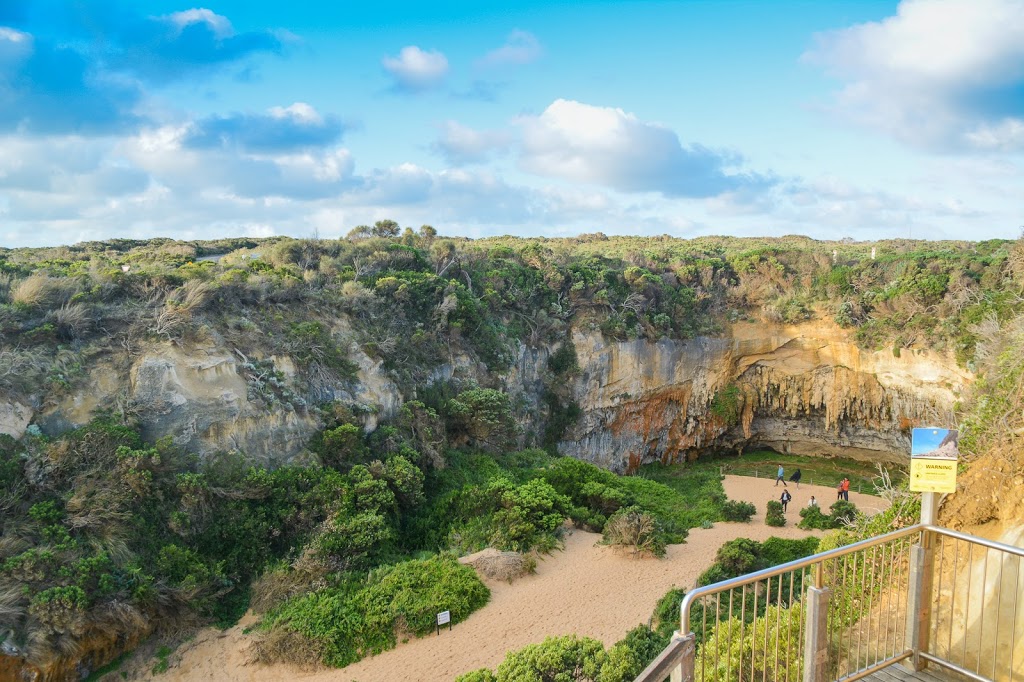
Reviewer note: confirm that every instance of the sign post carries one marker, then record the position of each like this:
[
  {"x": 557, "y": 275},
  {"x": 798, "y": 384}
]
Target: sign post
[{"x": 442, "y": 618}]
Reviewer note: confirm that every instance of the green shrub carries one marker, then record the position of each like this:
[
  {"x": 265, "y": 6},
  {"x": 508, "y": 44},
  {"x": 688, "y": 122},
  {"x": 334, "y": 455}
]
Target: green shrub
[
  {"x": 842, "y": 514},
  {"x": 734, "y": 646},
  {"x": 351, "y": 621},
  {"x": 735, "y": 510},
  {"x": 628, "y": 657},
  {"x": 774, "y": 515},
  {"x": 565, "y": 659}
]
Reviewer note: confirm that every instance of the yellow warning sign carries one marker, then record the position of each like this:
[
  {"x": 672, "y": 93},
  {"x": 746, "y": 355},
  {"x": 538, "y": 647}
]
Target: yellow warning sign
[{"x": 932, "y": 475}]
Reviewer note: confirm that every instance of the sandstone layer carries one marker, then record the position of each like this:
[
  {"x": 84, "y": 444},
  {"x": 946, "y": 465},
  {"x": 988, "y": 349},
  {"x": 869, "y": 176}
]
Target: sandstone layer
[{"x": 804, "y": 389}]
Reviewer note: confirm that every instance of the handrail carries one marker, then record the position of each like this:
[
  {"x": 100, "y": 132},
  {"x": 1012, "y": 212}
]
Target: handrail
[
  {"x": 668, "y": 660},
  {"x": 973, "y": 539},
  {"x": 805, "y": 562}
]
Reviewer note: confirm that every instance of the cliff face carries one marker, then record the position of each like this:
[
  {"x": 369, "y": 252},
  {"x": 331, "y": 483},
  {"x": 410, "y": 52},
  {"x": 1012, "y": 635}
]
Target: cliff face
[{"x": 803, "y": 389}]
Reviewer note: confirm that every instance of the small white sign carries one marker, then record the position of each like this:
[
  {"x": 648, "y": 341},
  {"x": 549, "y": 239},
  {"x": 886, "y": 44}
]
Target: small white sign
[{"x": 444, "y": 617}]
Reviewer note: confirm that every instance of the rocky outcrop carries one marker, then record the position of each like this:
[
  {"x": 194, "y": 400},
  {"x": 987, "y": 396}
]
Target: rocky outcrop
[
  {"x": 207, "y": 399},
  {"x": 805, "y": 389}
]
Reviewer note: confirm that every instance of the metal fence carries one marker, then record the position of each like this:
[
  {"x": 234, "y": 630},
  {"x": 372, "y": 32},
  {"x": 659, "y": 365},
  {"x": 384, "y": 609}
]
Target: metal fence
[
  {"x": 976, "y": 585},
  {"x": 846, "y": 613}
]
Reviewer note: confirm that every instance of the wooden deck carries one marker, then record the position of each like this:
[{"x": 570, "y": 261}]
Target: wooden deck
[{"x": 898, "y": 673}]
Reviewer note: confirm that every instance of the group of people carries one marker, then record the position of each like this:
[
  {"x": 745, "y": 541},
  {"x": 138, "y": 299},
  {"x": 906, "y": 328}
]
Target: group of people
[{"x": 842, "y": 490}]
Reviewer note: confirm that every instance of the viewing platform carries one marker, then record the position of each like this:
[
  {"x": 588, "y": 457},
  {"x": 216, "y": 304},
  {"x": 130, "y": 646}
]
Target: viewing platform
[{"x": 921, "y": 603}]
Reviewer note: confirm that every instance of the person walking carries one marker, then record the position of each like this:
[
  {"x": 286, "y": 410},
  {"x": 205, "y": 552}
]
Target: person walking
[
  {"x": 846, "y": 489},
  {"x": 784, "y": 499},
  {"x": 813, "y": 502},
  {"x": 795, "y": 478},
  {"x": 781, "y": 476}
]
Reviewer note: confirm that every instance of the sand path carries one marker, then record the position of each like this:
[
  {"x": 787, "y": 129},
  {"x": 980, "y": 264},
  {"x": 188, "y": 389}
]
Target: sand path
[{"x": 585, "y": 589}]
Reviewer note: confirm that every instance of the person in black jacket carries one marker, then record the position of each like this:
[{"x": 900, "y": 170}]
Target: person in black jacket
[
  {"x": 784, "y": 499},
  {"x": 795, "y": 478}
]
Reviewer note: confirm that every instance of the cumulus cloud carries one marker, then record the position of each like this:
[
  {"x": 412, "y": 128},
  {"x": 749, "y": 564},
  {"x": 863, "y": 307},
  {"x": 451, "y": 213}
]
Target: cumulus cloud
[
  {"x": 186, "y": 169},
  {"x": 521, "y": 47},
  {"x": 611, "y": 147},
  {"x": 296, "y": 127},
  {"x": 461, "y": 145},
  {"x": 938, "y": 74},
  {"x": 415, "y": 70}
]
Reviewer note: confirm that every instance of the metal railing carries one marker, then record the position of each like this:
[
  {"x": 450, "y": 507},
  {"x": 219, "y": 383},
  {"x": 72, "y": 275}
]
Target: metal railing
[
  {"x": 849, "y": 612},
  {"x": 977, "y": 587}
]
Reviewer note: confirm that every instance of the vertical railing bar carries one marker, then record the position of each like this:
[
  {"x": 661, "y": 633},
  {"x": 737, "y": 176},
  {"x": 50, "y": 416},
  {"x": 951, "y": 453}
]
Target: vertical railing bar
[
  {"x": 999, "y": 613},
  {"x": 842, "y": 612},
  {"x": 704, "y": 638},
  {"x": 717, "y": 628},
  {"x": 952, "y": 596},
  {"x": 803, "y": 606},
  {"x": 863, "y": 585},
  {"x": 728, "y": 652},
  {"x": 1013, "y": 626},
  {"x": 789, "y": 623},
  {"x": 753, "y": 653},
  {"x": 753, "y": 632},
  {"x": 743, "y": 621},
  {"x": 887, "y": 609},
  {"x": 939, "y": 543},
  {"x": 981, "y": 617},
  {"x": 778, "y": 621},
  {"x": 871, "y": 603},
  {"x": 967, "y": 610}
]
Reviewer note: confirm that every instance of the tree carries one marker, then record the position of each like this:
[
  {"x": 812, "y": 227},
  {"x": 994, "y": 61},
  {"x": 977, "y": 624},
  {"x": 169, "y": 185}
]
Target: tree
[
  {"x": 483, "y": 417},
  {"x": 385, "y": 228},
  {"x": 359, "y": 232}
]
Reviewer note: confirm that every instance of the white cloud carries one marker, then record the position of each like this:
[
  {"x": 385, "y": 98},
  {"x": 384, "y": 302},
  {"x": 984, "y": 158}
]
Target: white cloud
[
  {"x": 300, "y": 111},
  {"x": 220, "y": 25},
  {"x": 940, "y": 73},
  {"x": 521, "y": 47},
  {"x": 415, "y": 69},
  {"x": 611, "y": 147},
  {"x": 461, "y": 145}
]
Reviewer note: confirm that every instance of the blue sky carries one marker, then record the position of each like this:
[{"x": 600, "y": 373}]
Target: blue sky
[{"x": 833, "y": 119}]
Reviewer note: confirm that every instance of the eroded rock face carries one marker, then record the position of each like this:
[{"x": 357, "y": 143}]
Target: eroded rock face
[
  {"x": 200, "y": 400},
  {"x": 14, "y": 418},
  {"x": 805, "y": 389}
]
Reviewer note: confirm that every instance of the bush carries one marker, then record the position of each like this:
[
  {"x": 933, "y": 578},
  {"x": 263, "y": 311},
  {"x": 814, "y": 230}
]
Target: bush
[
  {"x": 632, "y": 527},
  {"x": 842, "y": 514},
  {"x": 351, "y": 621},
  {"x": 629, "y": 656},
  {"x": 774, "y": 515},
  {"x": 734, "y": 510},
  {"x": 726, "y": 655},
  {"x": 565, "y": 659}
]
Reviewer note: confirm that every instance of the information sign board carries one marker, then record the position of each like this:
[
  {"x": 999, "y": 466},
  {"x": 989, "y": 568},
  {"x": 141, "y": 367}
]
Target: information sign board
[{"x": 933, "y": 460}]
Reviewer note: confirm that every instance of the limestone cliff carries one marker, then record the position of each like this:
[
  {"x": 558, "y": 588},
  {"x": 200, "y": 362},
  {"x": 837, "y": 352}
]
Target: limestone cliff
[{"x": 805, "y": 389}]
